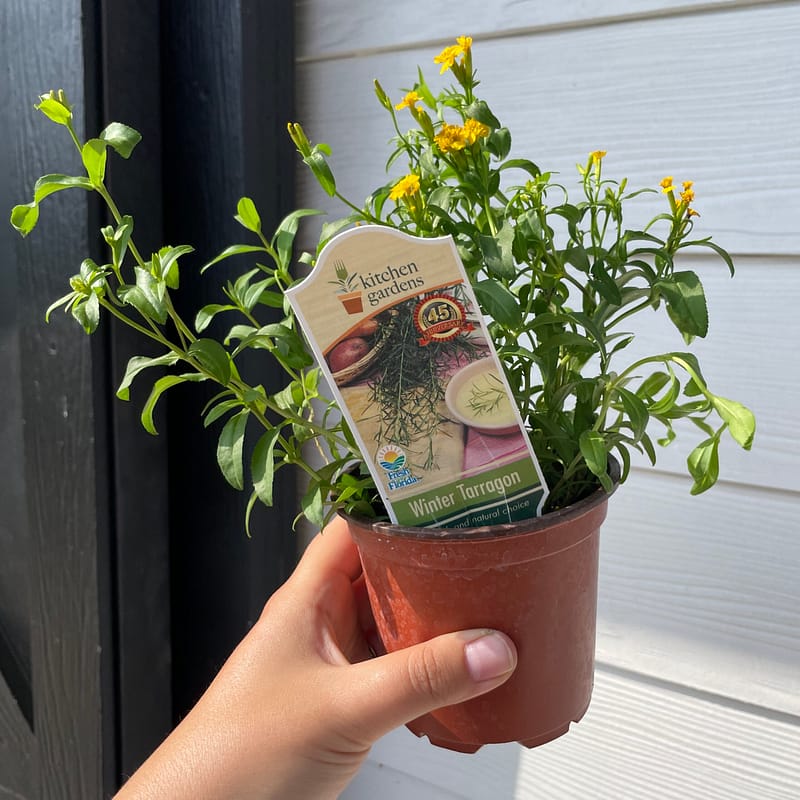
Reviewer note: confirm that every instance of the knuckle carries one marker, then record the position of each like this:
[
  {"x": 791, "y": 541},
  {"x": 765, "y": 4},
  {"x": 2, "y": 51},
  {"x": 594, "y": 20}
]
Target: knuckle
[{"x": 428, "y": 673}]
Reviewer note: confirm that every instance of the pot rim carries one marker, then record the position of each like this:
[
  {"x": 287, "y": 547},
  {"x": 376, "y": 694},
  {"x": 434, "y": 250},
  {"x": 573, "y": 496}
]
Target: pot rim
[{"x": 524, "y": 526}]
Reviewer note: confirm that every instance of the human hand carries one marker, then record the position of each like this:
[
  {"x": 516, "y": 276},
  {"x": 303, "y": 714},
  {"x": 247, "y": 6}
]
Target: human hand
[{"x": 297, "y": 706}]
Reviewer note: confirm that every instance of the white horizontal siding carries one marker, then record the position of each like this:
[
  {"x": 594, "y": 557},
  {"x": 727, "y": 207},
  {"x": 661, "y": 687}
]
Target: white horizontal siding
[
  {"x": 687, "y": 96},
  {"x": 637, "y": 742},
  {"x": 751, "y": 355},
  {"x": 704, "y": 590},
  {"x": 335, "y": 28},
  {"x": 699, "y": 615}
]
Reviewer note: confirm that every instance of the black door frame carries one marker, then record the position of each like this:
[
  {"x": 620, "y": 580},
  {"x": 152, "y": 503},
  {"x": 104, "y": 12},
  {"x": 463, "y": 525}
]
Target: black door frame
[{"x": 138, "y": 578}]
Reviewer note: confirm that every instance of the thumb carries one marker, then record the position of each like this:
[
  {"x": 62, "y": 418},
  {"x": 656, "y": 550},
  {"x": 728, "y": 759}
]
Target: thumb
[{"x": 401, "y": 686}]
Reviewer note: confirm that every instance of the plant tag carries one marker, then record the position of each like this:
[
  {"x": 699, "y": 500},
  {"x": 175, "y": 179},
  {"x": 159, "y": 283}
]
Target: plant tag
[{"x": 398, "y": 333}]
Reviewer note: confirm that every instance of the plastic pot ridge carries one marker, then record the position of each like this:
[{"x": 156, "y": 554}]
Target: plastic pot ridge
[{"x": 534, "y": 580}]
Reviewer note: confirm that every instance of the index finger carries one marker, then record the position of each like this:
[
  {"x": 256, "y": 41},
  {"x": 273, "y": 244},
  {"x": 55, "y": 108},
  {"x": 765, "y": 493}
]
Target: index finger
[{"x": 332, "y": 550}]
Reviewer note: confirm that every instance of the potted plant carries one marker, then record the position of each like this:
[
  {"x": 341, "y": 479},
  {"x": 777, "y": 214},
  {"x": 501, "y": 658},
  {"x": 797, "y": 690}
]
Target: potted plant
[{"x": 562, "y": 283}]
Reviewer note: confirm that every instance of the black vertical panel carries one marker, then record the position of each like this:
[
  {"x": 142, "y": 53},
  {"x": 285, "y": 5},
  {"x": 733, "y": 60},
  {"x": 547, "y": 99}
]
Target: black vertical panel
[
  {"x": 62, "y": 459},
  {"x": 129, "y": 65},
  {"x": 227, "y": 69}
]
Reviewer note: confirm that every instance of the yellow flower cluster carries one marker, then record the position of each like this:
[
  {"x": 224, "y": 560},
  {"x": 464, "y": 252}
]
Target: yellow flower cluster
[
  {"x": 686, "y": 197},
  {"x": 409, "y": 101},
  {"x": 449, "y": 55},
  {"x": 405, "y": 187},
  {"x": 455, "y": 137},
  {"x": 597, "y": 156}
]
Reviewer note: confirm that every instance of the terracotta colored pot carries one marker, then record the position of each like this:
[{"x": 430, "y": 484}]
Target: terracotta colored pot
[{"x": 534, "y": 580}]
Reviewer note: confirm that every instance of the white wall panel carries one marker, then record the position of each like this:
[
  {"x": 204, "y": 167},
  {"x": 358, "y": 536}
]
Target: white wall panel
[
  {"x": 699, "y": 615},
  {"x": 687, "y": 96},
  {"x": 637, "y": 742},
  {"x": 332, "y": 28},
  {"x": 704, "y": 590}
]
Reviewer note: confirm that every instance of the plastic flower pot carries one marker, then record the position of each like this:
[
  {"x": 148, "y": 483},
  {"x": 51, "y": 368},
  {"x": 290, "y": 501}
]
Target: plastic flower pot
[{"x": 534, "y": 580}]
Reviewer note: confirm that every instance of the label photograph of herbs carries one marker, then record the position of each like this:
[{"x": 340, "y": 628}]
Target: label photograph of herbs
[{"x": 428, "y": 388}]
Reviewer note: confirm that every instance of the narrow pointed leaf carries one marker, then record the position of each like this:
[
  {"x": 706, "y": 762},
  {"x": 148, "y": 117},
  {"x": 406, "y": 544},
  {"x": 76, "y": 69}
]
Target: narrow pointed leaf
[
  {"x": 139, "y": 363},
  {"x": 229, "y": 449},
  {"x": 263, "y": 465}
]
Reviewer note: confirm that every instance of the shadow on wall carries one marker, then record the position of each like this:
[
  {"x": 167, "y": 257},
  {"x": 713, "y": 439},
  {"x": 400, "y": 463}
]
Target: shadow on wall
[{"x": 431, "y": 773}]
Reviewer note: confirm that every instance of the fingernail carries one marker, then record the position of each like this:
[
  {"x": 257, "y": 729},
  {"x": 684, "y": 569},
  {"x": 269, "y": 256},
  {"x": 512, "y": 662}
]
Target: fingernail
[{"x": 489, "y": 656}]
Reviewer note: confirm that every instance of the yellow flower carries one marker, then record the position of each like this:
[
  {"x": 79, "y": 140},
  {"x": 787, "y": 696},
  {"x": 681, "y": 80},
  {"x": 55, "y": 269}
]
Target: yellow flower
[
  {"x": 449, "y": 55},
  {"x": 687, "y": 185},
  {"x": 690, "y": 212},
  {"x": 667, "y": 185},
  {"x": 465, "y": 43},
  {"x": 410, "y": 100},
  {"x": 405, "y": 187},
  {"x": 474, "y": 130},
  {"x": 450, "y": 138},
  {"x": 687, "y": 195},
  {"x": 597, "y": 156}
]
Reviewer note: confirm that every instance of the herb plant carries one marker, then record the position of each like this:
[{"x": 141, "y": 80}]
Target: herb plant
[{"x": 561, "y": 306}]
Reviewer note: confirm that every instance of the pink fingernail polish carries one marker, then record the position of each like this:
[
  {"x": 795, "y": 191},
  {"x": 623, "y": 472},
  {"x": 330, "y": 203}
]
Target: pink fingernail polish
[{"x": 489, "y": 656}]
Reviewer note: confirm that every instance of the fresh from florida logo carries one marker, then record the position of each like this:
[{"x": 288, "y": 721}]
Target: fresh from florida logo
[{"x": 393, "y": 459}]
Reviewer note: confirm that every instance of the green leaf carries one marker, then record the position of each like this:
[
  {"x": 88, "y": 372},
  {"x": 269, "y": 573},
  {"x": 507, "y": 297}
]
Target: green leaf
[
  {"x": 262, "y": 465},
  {"x": 166, "y": 264},
  {"x": 54, "y": 110},
  {"x": 523, "y": 164},
  {"x": 25, "y": 217},
  {"x": 213, "y": 357},
  {"x": 271, "y": 299},
  {"x": 322, "y": 172},
  {"x": 313, "y": 504},
  {"x": 248, "y": 512},
  {"x": 118, "y": 239},
  {"x": 247, "y": 215},
  {"x": 480, "y": 111},
  {"x": 497, "y": 253},
  {"x": 159, "y": 387},
  {"x": 686, "y": 302},
  {"x": 283, "y": 240},
  {"x": 147, "y": 297},
  {"x": 235, "y": 250},
  {"x": 635, "y": 410},
  {"x": 595, "y": 453},
  {"x": 121, "y": 137},
  {"x": 48, "y": 184},
  {"x": 498, "y": 302},
  {"x": 499, "y": 143},
  {"x": 65, "y": 300},
  {"x": 93, "y": 155},
  {"x": 741, "y": 420},
  {"x": 229, "y": 449},
  {"x": 207, "y": 313},
  {"x": 722, "y": 253},
  {"x": 566, "y": 339},
  {"x": 667, "y": 400},
  {"x": 139, "y": 363},
  {"x": 330, "y": 229},
  {"x": 578, "y": 257},
  {"x": 87, "y": 311},
  {"x": 703, "y": 464},
  {"x": 606, "y": 286},
  {"x": 219, "y": 410}
]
